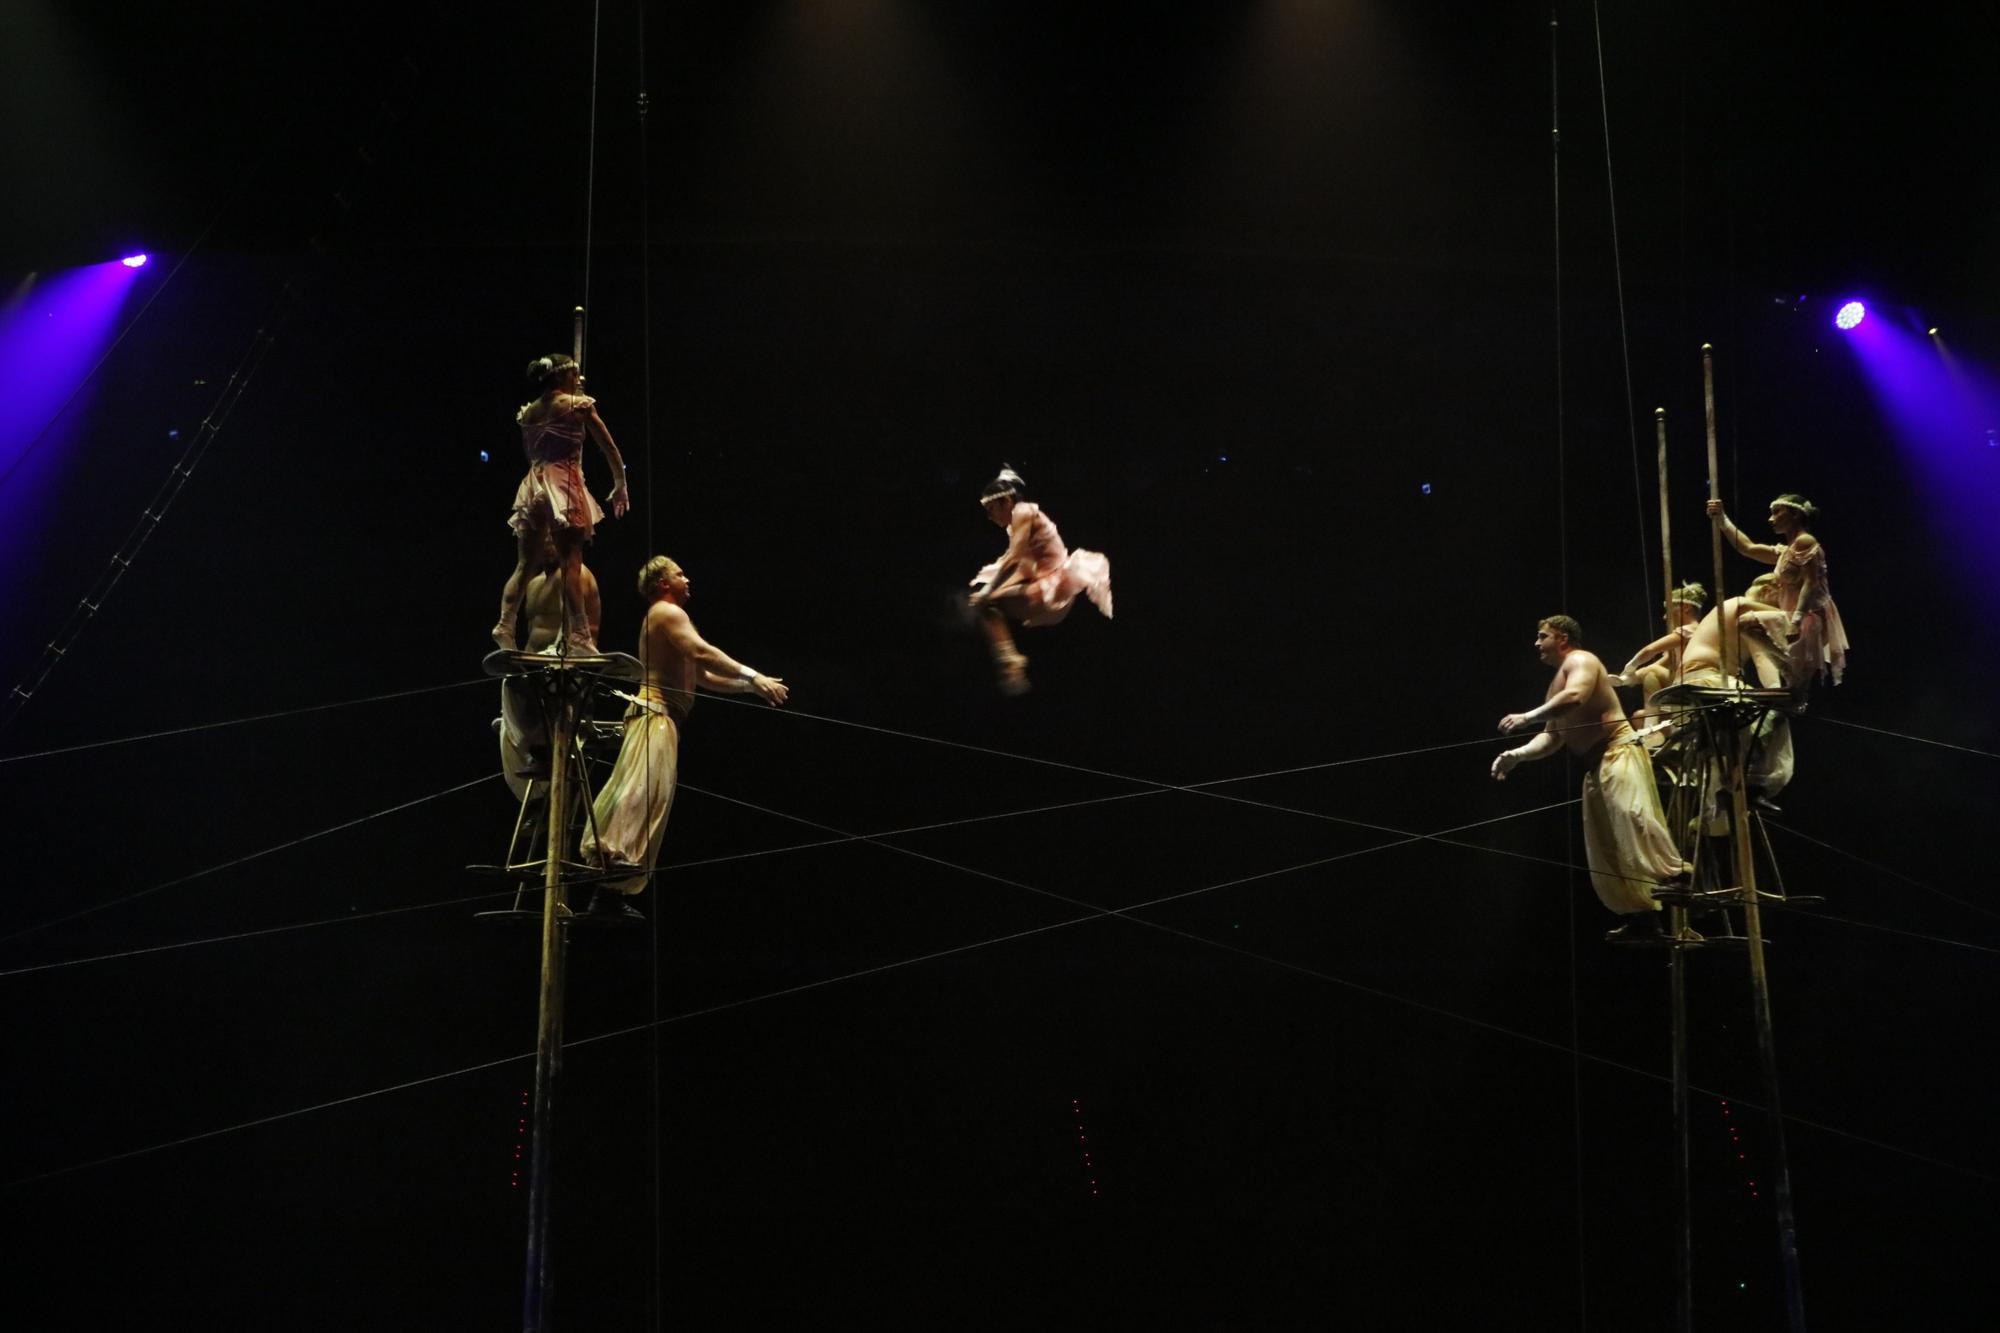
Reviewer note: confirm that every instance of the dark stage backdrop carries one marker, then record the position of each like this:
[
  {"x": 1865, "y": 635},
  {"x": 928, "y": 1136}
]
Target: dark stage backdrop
[{"x": 1263, "y": 301}]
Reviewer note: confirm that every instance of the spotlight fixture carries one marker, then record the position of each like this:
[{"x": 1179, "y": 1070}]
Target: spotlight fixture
[
  {"x": 1932, "y": 331},
  {"x": 134, "y": 261},
  {"x": 1850, "y": 314}
]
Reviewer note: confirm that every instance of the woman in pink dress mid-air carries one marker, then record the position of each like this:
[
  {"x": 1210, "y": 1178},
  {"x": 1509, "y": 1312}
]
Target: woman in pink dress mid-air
[
  {"x": 552, "y": 501},
  {"x": 1819, "y": 640},
  {"x": 1035, "y": 581}
]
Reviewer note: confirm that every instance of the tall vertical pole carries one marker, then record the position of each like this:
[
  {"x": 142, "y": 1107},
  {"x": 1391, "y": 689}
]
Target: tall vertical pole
[
  {"x": 1746, "y": 880},
  {"x": 1666, "y": 517},
  {"x": 1728, "y": 616},
  {"x": 1677, "y": 964},
  {"x": 576, "y": 339},
  {"x": 549, "y": 1028}
]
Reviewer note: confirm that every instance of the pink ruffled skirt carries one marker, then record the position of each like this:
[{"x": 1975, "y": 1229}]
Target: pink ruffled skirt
[
  {"x": 552, "y": 496},
  {"x": 1046, "y": 600}
]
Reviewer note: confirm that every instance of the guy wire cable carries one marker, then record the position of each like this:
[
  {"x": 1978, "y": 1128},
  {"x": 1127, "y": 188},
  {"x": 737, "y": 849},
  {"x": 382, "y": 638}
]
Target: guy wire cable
[
  {"x": 1095, "y": 915},
  {"x": 643, "y": 104},
  {"x": 1624, "y": 335},
  {"x": 287, "y": 845},
  {"x": 590, "y": 164},
  {"x": 682, "y": 867},
  {"x": 196, "y": 727},
  {"x": 1152, "y": 789},
  {"x": 842, "y": 839},
  {"x": 1562, "y": 575}
]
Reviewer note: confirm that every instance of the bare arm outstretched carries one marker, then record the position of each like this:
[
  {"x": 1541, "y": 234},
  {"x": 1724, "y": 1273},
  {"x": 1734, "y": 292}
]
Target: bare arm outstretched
[{"x": 711, "y": 662}]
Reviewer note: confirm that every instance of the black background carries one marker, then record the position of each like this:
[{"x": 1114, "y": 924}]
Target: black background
[{"x": 1263, "y": 301}]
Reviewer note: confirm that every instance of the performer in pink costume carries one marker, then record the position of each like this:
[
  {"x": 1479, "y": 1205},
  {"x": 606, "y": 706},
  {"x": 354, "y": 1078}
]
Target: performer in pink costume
[
  {"x": 1035, "y": 581},
  {"x": 552, "y": 502},
  {"x": 1819, "y": 640}
]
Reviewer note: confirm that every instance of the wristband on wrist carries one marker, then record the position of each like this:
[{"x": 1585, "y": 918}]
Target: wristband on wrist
[{"x": 747, "y": 672}]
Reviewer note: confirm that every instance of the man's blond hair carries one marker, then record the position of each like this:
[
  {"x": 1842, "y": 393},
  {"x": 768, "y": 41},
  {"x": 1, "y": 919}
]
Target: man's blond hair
[{"x": 654, "y": 573}]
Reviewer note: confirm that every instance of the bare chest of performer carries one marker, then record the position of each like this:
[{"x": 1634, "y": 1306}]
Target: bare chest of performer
[
  {"x": 1597, "y": 717},
  {"x": 667, "y": 667},
  {"x": 1760, "y": 642}
]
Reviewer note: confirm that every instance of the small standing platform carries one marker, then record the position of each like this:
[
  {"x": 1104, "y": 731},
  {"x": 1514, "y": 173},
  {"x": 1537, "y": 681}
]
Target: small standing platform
[{"x": 546, "y": 819}]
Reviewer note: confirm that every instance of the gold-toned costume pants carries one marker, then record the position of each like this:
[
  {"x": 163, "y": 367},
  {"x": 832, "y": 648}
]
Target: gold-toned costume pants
[
  {"x": 1624, "y": 834},
  {"x": 631, "y": 809}
]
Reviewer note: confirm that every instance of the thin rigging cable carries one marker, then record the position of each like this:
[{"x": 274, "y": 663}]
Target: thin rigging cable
[
  {"x": 1438, "y": 1011},
  {"x": 590, "y": 167},
  {"x": 187, "y": 1139},
  {"x": 1817, "y": 915},
  {"x": 1904, "y": 736},
  {"x": 245, "y": 860},
  {"x": 643, "y": 104},
  {"x": 1893, "y": 874},
  {"x": 1096, "y": 914},
  {"x": 1562, "y": 576},
  {"x": 1624, "y": 337},
  {"x": 260, "y": 933},
  {"x": 677, "y": 869},
  {"x": 240, "y": 721},
  {"x": 1153, "y": 789},
  {"x": 1197, "y": 787}
]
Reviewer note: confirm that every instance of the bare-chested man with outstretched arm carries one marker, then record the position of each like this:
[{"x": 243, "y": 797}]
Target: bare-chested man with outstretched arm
[
  {"x": 630, "y": 814},
  {"x": 1624, "y": 836}
]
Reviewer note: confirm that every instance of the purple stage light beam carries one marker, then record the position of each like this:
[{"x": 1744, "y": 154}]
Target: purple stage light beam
[
  {"x": 53, "y": 329},
  {"x": 1938, "y": 411},
  {"x": 1850, "y": 314}
]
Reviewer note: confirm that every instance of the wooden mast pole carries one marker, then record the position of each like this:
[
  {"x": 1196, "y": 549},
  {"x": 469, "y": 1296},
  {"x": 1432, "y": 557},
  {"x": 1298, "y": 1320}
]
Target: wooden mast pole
[{"x": 1739, "y": 737}]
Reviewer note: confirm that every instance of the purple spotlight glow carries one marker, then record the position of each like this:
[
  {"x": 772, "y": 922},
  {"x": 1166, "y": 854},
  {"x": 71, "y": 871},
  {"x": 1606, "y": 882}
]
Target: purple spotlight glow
[
  {"x": 53, "y": 329},
  {"x": 1938, "y": 411},
  {"x": 1850, "y": 314},
  {"x": 134, "y": 261}
]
